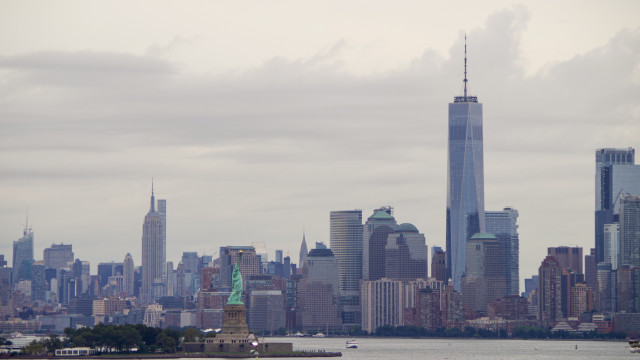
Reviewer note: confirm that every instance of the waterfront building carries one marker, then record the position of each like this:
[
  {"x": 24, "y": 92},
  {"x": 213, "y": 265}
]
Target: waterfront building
[
  {"x": 606, "y": 289},
  {"x": 504, "y": 225},
  {"x": 58, "y": 256},
  {"x": 319, "y": 292},
  {"x": 484, "y": 280},
  {"x": 346, "y": 242},
  {"x": 266, "y": 311},
  {"x": 628, "y": 289},
  {"x": 127, "y": 273},
  {"x": 23, "y": 255},
  {"x": 616, "y": 174},
  {"x": 375, "y": 233},
  {"x": 383, "y": 303},
  {"x": 568, "y": 257},
  {"x": 406, "y": 255},
  {"x": 630, "y": 230},
  {"x": 550, "y": 291},
  {"x": 154, "y": 250},
  {"x": 465, "y": 179}
]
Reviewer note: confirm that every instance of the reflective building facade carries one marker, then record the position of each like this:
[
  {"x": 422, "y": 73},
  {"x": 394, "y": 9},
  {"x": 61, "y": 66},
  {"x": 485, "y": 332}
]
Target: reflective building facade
[
  {"x": 23, "y": 256},
  {"x": 346, "y": 244},
  {"x": 616, "y": 174},
  {"x": 465, "y": 180},
  {"x": 504, "y": 225}
]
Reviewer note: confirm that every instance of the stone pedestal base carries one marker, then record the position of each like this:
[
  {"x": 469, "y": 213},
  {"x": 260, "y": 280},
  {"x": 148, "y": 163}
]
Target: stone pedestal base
[{"x": 235, "y": 320}]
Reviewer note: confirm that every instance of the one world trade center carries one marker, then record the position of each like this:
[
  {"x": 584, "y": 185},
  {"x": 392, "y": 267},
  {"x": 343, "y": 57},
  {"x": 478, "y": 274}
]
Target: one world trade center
[{"x": 465, "y": 179}]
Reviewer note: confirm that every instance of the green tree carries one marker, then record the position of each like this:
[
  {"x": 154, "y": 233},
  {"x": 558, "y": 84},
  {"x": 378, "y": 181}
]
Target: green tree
[
  {"x": 34, "y": 348},
  {"x": 191, "y": 335}
]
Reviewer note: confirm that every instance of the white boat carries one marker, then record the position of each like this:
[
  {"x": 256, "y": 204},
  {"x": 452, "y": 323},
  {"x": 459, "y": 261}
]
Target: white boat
[
  {"x": 634, "y": 346},
  {"x": 320, "y": 335},
  {"x": 352, "y": 344}
]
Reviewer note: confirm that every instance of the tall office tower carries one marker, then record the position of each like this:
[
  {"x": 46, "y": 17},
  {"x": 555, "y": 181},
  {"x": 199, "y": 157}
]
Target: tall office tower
[
  {"x": 375, "y": 233},
  {"x": 504, "y": 225},
  {"x": 484, "y": 280},
  {"x": 384, "y": 302},
  {"x": 615, "y": 174},
  {"x": 38, "y": 281},
  {"x": 345, "y": 236},
  {"x": 127, "y": 273},
  {"x": 319, "y": 296},
  {"x": 170, "y": 279},
  {"x": 605, "y": 294},
  {"x": 612, "y": 244},
  {"x": 465, "y": 179},
  {"x": 190, "y": 261},
  {"x": 590, "y": 272},
  {"x": 23, "y": 255},
  {"x": 406, "y": 255},
  {"x": 153, "y": 248},
  {"x": 303, "y": 251},
  {"x": 549, "y": 291},
  {"x": 249, "y": 266},
  {"x": 438, "y": 264},
  {"x": 630, "y": 230},
  {"x": 279, "y": 256},
  {"x": 58, "y": 256},
  {"x": 568, "y": 257},
  {"x": 627, "y": 286}
]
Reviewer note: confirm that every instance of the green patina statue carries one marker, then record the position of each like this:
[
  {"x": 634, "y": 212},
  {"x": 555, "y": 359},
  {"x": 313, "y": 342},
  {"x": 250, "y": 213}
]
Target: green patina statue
[{"x": 236, "y": 290}]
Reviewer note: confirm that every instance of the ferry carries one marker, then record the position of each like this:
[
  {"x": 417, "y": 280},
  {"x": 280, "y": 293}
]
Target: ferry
[
  {"x": 352, "y": 344},
  {"x": 635, "y": 346}
]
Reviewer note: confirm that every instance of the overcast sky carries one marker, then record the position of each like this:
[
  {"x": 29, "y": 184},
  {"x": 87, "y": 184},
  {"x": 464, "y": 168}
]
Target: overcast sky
[{"x": 256, "y": 119}]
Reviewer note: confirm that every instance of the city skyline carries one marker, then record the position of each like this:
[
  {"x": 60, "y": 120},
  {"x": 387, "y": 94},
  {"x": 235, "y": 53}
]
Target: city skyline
[{"x": 246, "y": 145}]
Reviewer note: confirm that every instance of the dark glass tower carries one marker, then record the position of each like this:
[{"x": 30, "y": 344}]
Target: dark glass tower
[
  {"x": 465, "y": 179},
  {"x": 616, "y": 174}
]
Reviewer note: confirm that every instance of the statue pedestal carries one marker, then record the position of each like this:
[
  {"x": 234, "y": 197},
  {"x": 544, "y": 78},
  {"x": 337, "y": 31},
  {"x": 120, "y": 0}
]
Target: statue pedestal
[{"x": 235, "y": 320}]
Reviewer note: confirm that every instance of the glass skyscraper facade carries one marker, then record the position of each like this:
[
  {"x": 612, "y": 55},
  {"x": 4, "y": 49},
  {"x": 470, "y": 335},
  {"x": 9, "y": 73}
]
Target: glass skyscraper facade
[
  {"x": 465, "y": 181},
  {"x": 616, "y": 174},
  {"x": 23, "y": 256},
  {"x": 346, "y": 244},
  {"x": 504, "y": 225}
]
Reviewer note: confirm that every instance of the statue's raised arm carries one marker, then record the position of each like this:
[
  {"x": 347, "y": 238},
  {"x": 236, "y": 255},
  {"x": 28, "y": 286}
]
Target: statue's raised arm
[{"x": 236, "y": 279}]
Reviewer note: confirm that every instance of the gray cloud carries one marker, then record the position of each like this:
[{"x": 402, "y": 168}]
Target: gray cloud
[{"x": 255, "y": 155}]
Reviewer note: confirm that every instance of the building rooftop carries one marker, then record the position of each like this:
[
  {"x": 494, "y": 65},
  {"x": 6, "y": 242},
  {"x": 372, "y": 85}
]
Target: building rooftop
[
  {"x": 320, "y": 253},
  {"x": 483, "y": 236}
]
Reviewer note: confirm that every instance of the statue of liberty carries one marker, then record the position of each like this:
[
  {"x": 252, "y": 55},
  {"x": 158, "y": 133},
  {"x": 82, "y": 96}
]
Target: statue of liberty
[{"x": 236, "y": 279}]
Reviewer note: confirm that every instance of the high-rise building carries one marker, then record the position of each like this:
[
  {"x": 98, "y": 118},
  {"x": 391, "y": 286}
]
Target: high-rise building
[
  {"x": 616, "y": 174},
  {"x": 23, "y": 255},
  {"x": 319, "y": 299},
  {"x": 484, "y": 281},
  {"x": 153, "y": 248},
  {"x": 630, "y": 230},
  {"x": 250, "y": 264},
  {"x": 406, "y": 254},
  {"x": 346, "y": 243},
  {"x": 568, "y": 257},
  {"x": 550, "y": 291},
  {"x": 438, "y": 264},
  {"x": 504, "y": 225},
  {"x": 590, "y": 271},
  {"x": 375, "y": 233},
  {"x": 58, "y": 256},
  {"x": 465, "y": 179},
  {"x": 127, "y": 273},
  {"x": 612, "y": 244}
]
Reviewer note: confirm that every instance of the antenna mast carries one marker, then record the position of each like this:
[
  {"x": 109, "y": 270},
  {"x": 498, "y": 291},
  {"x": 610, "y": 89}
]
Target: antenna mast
[{"x": 465, "y": 66}]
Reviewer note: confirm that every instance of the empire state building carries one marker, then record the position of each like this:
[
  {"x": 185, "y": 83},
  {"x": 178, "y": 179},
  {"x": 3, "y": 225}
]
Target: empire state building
[
  {"x": 154, "y": 253},
  {"x": 465, "y": 179}
]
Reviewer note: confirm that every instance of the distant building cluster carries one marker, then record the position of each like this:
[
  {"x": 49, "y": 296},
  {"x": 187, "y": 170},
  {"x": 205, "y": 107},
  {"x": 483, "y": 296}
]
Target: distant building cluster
[{"x": 375, "y": 271}]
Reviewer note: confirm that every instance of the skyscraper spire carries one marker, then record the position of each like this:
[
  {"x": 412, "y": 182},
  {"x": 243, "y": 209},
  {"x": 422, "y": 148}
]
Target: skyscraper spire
[
  {"x": 303, "y": 250},
  {"x": 26, "y": 224},
  {"x": 465, "y": 65},
  {"x": 153, "y": 199}
]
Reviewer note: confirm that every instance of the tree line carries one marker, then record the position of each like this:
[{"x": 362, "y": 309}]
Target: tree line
[{"x": 117, "y": 339}]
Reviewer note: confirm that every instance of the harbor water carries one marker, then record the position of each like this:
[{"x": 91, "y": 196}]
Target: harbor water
[{"x": 450, "y": 349}]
